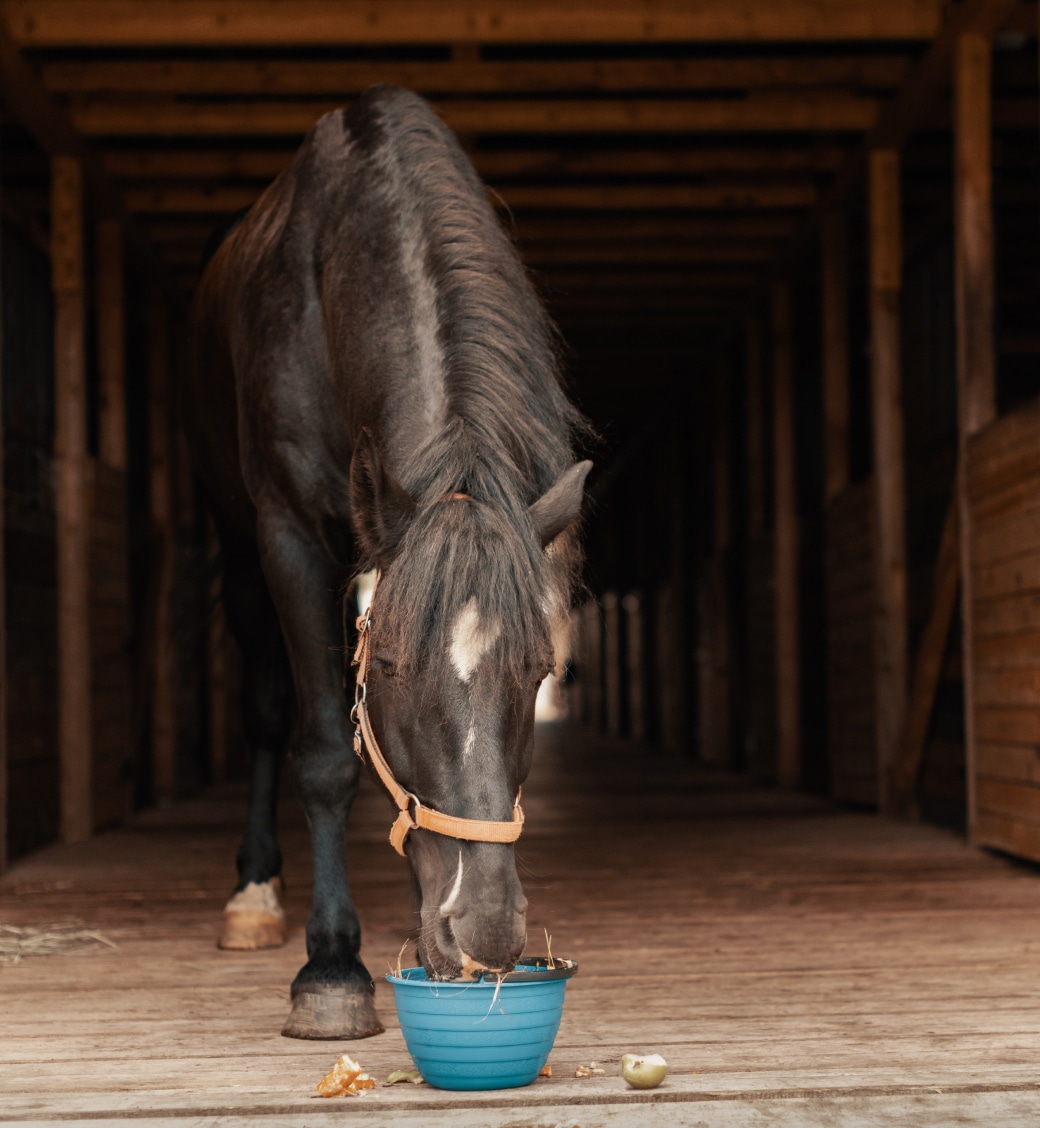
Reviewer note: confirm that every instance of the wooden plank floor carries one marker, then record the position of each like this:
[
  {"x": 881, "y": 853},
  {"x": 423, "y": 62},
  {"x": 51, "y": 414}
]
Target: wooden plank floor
[{"x": 795, "y": 963}]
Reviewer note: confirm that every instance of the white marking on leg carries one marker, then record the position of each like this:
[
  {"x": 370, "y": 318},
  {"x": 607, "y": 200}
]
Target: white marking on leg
[
  {"x": 257, "y": 897},
  {"x": 471, "y": 640},
  {"x": 452, "y": 897}
]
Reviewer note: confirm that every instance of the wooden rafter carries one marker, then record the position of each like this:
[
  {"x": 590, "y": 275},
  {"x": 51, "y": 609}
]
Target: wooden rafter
[
  {"x": 785, "y": 113},
  {"x": 314, "y": 77},
  {"x": 558, "y": 197},
  {"x": 264, "y": 164},
  {"x": 243, "y": 23},
  {"x": 564, "y": 252}
]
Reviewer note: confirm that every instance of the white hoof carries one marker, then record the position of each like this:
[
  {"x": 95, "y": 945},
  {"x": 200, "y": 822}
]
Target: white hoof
[{"x": 253, "y": 918}]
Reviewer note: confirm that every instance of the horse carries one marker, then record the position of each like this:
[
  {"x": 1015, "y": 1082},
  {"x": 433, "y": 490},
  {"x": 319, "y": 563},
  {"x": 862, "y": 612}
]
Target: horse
[{"x": 376, "y": 385}]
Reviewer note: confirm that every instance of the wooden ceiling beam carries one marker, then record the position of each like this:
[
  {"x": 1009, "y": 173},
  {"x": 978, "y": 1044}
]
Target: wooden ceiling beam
[
  {"x": 913, "y": 106},
  {"x": 648, "y": 197},
  {"x": 657, "y": 322},
  {"x": 715, "y": 228},
  {"x": 709, "y": 297},
  {"x": 559, "y": 252},
  {"x": 329, "y": 23},
  {"x": 653, "y": 280},
  {"x": 694, "y": 161},
  {"x": 198, "y": 164},
  {"x": 189, "y": 200},
  {"x": 269, "y": 77},
  {"x": 265, "y": 164},
  {"x": 715, "y": 232},
  {"x": 183, "y": 246},
  {"x": 788, "y": 113},
  {"x": 564, "y": 197},
  {"x": 924, "y": 88}
]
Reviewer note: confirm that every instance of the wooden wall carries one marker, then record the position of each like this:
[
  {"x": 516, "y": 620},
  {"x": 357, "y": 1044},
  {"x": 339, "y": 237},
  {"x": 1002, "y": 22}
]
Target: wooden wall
[
  {"x": 29, "y": 536},
  {"x": 851, "y": 728},
  {"x": 1004, "y": 494}
]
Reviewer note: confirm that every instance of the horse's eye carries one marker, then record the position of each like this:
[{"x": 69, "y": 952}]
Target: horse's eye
[{"x": 385, "y": 666}]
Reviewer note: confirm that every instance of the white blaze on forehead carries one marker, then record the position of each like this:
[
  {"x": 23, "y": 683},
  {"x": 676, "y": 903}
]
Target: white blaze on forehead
[{"x": 471, "y": 640}]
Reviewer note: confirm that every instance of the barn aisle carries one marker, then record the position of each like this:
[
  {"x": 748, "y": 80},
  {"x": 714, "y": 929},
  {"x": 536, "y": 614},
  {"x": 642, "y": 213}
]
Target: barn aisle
[{"x": 796, "y": 964}]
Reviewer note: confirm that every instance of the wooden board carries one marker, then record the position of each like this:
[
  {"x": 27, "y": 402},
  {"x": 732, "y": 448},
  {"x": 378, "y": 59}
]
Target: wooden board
[
  {"x": 71, "y": 503},
  {"x": 789, "y": 960},
  {"x": 501, "y": 76},
  {"x": 761, "y": 112},
  {"x": 889, "y": 478},
  {"x": 786, "y": 535},
  {"x": 1003, "y": 491},
  {"x": 325, "y": 23}
]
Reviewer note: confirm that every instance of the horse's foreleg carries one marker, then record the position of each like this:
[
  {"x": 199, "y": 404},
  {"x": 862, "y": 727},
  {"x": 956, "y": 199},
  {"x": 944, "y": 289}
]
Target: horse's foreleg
[
  {"x": 333, "y": 993},
  {"x": 253, "y": 918}
]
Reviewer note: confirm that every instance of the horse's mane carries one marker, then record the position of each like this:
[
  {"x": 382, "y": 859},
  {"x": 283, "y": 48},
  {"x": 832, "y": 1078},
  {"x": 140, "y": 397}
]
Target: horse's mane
[{"x": 510, "y": 430}]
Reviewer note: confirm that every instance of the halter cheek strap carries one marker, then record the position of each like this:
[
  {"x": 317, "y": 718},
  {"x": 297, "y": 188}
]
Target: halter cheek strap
[{"x": 411, "y": 813}]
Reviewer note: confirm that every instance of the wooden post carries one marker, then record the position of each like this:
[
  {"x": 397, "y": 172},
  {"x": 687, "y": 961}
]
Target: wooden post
[
  {"x": 788, "y": 682},
  {"x": 755, "y": 423},
  {"x": 111, "y": 615},
  {"x": 217, "y": 681},
  {"x": 974, "y": 295},
  {"x": 758, "y": 723},
  {"x": 612, "y": 661},
  {"x": 4, "y": 789},
  {"x": 890, "y": 646},
  {"x": 111, "y": 345},
  {"x": 73, "y": 520},
  {"x": 834, "y": 285},
  {"x": 635, "y": 665},
  {"x": 723, "y": 537},
  {"x": 714, "y": 650},
  {"x": 161, "y": 508}
]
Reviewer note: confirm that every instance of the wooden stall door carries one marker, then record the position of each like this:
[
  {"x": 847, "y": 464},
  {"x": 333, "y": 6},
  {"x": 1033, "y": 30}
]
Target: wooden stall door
[{"x": 1004, "y": 498}]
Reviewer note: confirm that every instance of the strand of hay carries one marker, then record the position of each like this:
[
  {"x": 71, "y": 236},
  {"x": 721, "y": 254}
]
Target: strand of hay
[{"x": 65, "y": 939}]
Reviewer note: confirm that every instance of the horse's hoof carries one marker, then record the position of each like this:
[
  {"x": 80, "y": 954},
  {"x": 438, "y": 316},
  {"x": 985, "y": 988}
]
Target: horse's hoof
[
  {"x": 323, "y": 1010},
  {"x": 253, "y": 918}
]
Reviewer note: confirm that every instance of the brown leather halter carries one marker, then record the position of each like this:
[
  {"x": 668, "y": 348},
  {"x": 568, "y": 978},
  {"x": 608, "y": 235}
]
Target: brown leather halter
[{"x": 411, "y": 813}]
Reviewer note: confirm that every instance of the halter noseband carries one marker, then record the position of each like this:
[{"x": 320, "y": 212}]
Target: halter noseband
[{"x": 411, "y": 813}]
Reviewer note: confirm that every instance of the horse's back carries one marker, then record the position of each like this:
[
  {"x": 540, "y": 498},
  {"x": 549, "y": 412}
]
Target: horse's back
[{"x": 337, "y": 301}]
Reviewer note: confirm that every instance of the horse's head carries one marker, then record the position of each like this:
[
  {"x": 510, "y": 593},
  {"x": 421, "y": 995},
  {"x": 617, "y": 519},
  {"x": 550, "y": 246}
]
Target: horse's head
[{"x": 460, "y": 639}]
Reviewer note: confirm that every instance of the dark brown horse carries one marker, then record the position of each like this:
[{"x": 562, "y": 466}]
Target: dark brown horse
[{"x": 376, "y": 386}]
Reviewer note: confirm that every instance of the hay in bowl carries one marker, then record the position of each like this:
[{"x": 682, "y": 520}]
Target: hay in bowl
[{"x": 495, "y": 1032}]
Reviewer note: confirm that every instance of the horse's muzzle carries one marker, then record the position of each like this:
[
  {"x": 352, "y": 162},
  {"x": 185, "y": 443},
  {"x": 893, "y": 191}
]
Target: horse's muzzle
[
  {"x": 484, "y": 937},
  {"x": 490, "y": 942}
]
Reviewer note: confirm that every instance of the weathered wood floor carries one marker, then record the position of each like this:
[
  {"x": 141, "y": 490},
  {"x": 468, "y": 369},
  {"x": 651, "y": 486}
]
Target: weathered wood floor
[{"x": 796, "y": 964}]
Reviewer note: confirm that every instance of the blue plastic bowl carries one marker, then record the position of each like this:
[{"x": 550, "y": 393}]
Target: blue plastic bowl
[{"x": 461, "y": 1036}]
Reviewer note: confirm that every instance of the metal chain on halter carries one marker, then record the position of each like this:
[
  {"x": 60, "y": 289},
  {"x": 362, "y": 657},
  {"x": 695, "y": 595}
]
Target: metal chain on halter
[{"x": 411, "y": 813}]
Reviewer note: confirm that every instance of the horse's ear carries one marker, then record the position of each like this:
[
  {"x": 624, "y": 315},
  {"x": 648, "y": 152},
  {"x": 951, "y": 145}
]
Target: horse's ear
[
  {"x": 560, "y": 504},
  {"x": 380, "y": 508}
]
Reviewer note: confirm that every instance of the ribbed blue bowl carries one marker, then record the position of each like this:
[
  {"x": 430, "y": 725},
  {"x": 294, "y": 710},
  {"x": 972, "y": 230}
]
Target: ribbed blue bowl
[{"x": 464, "y": 1036}]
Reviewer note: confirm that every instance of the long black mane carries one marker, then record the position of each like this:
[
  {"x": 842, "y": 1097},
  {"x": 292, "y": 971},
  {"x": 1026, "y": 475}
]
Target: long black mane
[{"x": 509, "y": 431}]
